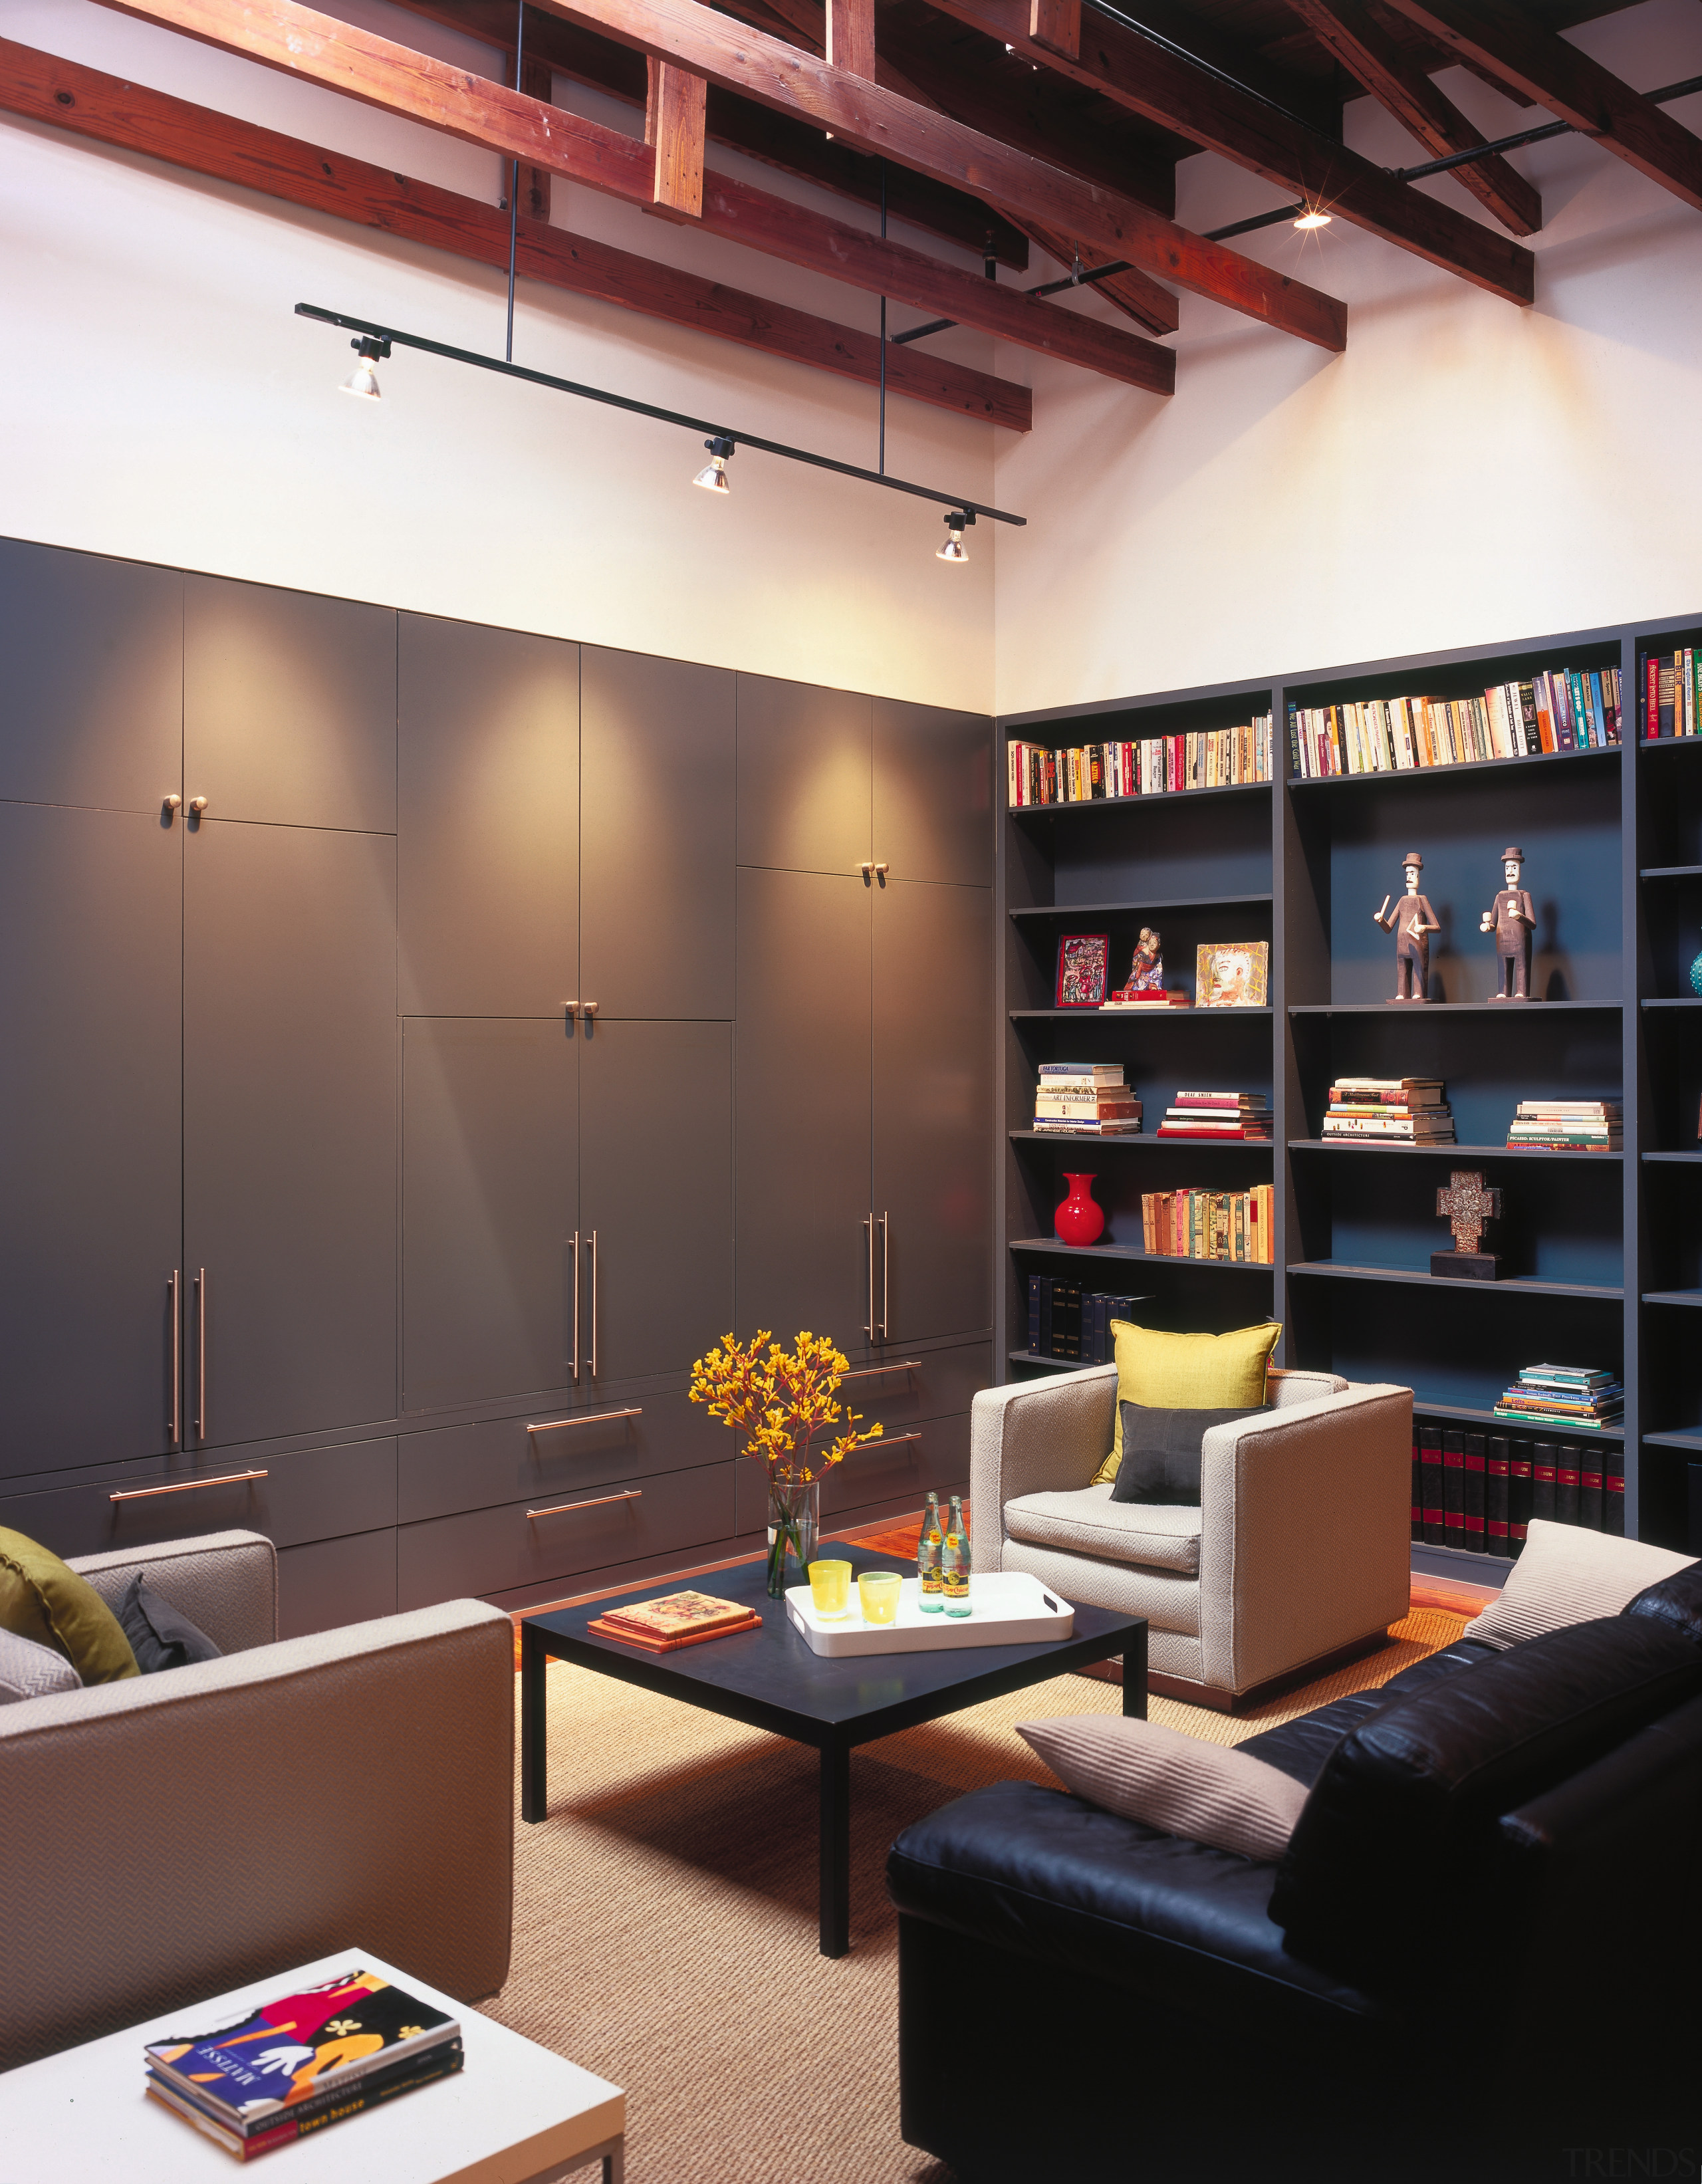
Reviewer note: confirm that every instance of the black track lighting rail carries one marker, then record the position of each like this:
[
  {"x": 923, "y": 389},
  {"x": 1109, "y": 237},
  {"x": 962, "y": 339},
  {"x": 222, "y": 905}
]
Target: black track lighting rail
[{"x": 508, "y": 370}]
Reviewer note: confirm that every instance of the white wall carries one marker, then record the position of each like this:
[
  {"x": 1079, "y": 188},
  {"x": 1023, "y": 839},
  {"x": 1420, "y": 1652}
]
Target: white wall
[
  {"x": 1466, "y": 471},
  {"x": 161, "y": 402}
]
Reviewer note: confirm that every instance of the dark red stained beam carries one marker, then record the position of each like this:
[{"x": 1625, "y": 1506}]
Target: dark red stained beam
[{"x": 87, "y": 104}]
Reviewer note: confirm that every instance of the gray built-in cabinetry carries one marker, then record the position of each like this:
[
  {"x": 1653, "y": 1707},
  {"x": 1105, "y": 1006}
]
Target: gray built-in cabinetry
[{"x": 422, "y": 1040}]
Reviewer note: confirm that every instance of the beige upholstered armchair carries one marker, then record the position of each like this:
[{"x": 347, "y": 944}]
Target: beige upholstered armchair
[
  {"x": 1296, "y": 1559},
  {"x": 173, "y": 1835}
]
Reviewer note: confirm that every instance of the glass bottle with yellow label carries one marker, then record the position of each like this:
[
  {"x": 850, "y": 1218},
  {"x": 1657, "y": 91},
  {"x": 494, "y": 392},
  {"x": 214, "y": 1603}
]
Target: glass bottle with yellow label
[
  {"x": 928, "y": 1552},
  {"x": 954, "y": 1560}
]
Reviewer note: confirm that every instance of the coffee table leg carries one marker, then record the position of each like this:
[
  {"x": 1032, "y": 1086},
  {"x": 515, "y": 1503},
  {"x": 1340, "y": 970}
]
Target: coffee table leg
[
  {"x": 1135, "y": 1676},
  {"x": 534, "y": 1796},
  {"x": 835, "y": 1877}
]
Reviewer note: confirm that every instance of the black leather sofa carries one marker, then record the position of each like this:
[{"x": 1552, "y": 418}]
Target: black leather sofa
[{"x": 1477, "y": 1958}]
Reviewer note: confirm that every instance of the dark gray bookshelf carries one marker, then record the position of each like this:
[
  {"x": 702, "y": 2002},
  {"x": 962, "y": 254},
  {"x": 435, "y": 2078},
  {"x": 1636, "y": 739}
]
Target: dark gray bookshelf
[{"x": 1605, "y": 1263}]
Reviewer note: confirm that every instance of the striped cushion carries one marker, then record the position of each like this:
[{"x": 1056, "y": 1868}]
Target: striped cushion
[
  {"x": 1568, "y": 1575},
  {"x": 29, "y": 1671},
  {"x": 1208, "y": 1793}
]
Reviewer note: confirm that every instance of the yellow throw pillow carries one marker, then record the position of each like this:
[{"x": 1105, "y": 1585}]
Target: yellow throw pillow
[
  {"x": 1187, "y": 1373},
  {"x": 41, "y": 1599}
]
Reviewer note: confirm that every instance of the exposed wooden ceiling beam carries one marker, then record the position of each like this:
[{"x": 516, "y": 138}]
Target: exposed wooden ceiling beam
[
  {"x": 300, "y": 42},
  {"x": 1351, "y": 30},
  {"x": 877, "y": 120},
  {"x": 674, "y": 115},
  {"x": 87, "y": 104},
  {"x": 1167, "y": 89},
  {"x": 773, "y": 138},
  {"x": 1569, "y": 83}
]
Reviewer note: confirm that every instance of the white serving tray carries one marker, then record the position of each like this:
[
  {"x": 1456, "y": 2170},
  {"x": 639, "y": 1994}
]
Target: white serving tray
[{"x": 1008, "y": 1608}]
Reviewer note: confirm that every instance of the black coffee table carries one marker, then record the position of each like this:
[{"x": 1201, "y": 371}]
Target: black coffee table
[{"x": 769, "y": 1678}]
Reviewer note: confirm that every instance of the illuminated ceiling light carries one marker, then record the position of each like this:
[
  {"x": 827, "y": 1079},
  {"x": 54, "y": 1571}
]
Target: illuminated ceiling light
[
  {"x": 1314, "y": 217},
  {"x": 953, "y": 550},
  {"x": 713, "y": 477},
  {"x": 364, "y": 380}
]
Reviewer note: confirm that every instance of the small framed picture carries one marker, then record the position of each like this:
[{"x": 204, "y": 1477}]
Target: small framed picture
[
  {"x": 1233, "y": 974},
  {"x": 1081, "y": 961}
]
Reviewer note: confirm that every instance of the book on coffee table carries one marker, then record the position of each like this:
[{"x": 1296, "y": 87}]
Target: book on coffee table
[{"x": 679, "y": 1619}]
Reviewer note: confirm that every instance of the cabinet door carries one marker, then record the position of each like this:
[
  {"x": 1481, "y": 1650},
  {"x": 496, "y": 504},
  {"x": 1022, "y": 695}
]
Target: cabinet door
[
  {"x": 934, "y": 1106},
  {"x": 290, "y": 1124},
  {"x": 657, "y": 836},
  {"x": 91, "y": 679},
  {"x": 801, "y": 1105},
  {"x": 289, "y": 707},
  {"x": 804, "y": 790},
  {"x": 655, "y": 1187},
  {"x": 488, "y": 820},
  {"x": 489, "y": 1206},
  {"x": 91, "y": 1175},
  {"x": 934, "y": 792}
]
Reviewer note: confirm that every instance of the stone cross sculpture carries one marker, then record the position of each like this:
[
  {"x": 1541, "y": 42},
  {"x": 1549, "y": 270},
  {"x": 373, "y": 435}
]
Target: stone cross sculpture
[{"x": 1466, "y": 1206}]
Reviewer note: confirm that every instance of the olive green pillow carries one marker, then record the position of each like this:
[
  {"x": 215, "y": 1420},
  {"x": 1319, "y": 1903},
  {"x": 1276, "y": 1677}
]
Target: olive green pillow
[
  {"x": 43, "y": 1601},
  {"x": 1187, "y": 1373}
]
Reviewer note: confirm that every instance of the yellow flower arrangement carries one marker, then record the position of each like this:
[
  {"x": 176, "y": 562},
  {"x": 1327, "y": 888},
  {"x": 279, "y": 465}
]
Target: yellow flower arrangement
[{"x": 780, "y": 1400}]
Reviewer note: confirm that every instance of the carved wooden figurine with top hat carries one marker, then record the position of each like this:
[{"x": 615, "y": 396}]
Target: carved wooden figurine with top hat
[
  {"x": 1412, "y": 921},
  {"x": 1512, "y": 919}
]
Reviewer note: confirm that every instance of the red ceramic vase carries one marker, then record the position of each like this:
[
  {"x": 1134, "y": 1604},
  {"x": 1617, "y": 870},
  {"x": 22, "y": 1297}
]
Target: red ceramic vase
[{"x": 1079, "y": 1218}]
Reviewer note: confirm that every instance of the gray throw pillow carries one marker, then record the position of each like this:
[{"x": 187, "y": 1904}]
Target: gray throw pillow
[
  {"x": 29, "y": 1671},
  {"x": 1161, "y": 1450},
  {"x": 160, "y": 1637}
]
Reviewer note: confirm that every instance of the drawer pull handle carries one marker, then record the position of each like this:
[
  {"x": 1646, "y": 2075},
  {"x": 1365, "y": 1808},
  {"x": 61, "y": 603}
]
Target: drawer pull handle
[
  {"x": 591, "y": 1418},
  {"x": 885, "y": 1440},
  {"x": 561, "y": 1509},
  {"x": 870, "y": 1371},
  {"x": 186, "y": 1485}
]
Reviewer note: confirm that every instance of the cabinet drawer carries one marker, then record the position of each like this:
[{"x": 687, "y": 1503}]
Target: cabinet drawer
[
  {"x": 315, "y": 1494},
  {"x": 554, "y": 1453},
  {"x": 533, "y": 1541},
  {"x": 911, "y": 1384},
  {"x": 932, "y": 1457}
]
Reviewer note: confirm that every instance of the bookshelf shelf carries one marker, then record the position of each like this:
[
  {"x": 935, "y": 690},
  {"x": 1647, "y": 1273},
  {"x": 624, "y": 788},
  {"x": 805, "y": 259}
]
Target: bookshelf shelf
[
  {"x": 1671, "y": 873},
  {"x": 1679, "y": 1001},
  {"x": 1455, "y": 1008},
  {"x": 1051, "y": 1364},
  {"x": 1471, "y": 1418},
  {"x": 1139, "y": 1138},
  {"x": 1152, "y": 1014},
  {"x": 1510, "y": 1285},
  {"x": 1439, "y": 1152},
  {"x": 1690, "y": 1297},
  {"x": 1690, "y": 1437},
  {"x": 1141, "y": 908},
  {"x": 1690, "y": 1157},
  {"x": 1531, "y": 763},
  {"x": 1068, "y": 811},
  {"x": 1050, "y": 1245}
]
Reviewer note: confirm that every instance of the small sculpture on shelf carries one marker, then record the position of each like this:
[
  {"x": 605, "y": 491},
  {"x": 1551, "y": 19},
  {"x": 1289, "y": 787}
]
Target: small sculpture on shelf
[
  {"x": 1466, "y": 1206},
  {"x": 1512, "y": 918},
  {"x": 1412, "y": 921},
  {"x": 1146, "y": 971}
]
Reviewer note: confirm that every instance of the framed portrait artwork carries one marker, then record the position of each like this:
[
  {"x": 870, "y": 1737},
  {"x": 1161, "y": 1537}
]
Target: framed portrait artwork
[
  {"x": 1233, "y": 974},
  {"x": 1082, "y": 958}
]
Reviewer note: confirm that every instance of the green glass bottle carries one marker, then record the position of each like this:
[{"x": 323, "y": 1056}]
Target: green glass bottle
[
  {"x": 954, "y": 1560},
  {"x": 928, "y": 1553}
]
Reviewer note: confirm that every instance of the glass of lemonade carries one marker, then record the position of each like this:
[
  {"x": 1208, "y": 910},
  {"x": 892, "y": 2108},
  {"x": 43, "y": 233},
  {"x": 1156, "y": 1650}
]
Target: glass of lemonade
[
  {"x": 879, "y": 1590},
  {"x": 830, "y": 1588}
]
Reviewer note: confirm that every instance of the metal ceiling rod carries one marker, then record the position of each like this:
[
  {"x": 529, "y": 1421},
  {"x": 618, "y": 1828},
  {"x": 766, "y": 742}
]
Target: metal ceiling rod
[{"x": 947, "y": 500}]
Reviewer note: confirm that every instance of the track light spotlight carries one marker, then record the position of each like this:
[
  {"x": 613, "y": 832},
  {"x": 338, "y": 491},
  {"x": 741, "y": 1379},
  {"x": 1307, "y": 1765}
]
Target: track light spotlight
[
  {"x": 713, "y": 477},
  {"x": 953, "y": 550},
  {"x": 364, "y": 380},
  {"x": 1314, "y": 216}
]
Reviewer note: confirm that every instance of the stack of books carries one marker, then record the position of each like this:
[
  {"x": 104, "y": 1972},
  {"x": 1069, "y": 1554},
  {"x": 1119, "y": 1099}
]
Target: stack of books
[
  {"x": 300, "y": 2063},
  {"x": 1084, "y": 1099},
  {"x": 681, "y": 1619},
  {"x": 1481, "y": 1492},
  {"x": 1390, "y": 1110},
  {"x": 1237, "y": 1225},
  {"x": 1231, "y": 1117},
  {"x": 1067, "y": 1321},
  {"x": 1671, "y": 684},
  {"x": 1563, "y": 709},
  {"x": 1567, "y": 1126},
  {"x": 1203, "y": 758},
  {"x": 1571, "y": 1396}
]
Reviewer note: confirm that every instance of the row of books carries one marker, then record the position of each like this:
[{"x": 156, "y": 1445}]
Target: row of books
[
  {"x": 1237, "y": 1225},
  {"x": 1086, "y": 1099},
  {"x": 1567, "y": 1126},
  {"x": 1067, "y": 1321},
  {"x": 1671, "y": 689},
  {"x": 1219, "y": 1117},
  {"x": 1588, "y": 1396},
  {"x": 1562, "y": 709},
  {"x": 1403, "y": 1109},
  {"x": 1153, "y": 765},
  {"x": 1482, "y": 1491}
]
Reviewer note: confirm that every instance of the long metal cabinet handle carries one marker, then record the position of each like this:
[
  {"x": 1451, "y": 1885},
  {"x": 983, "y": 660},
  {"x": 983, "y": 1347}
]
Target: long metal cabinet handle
[
  {"x": 868, "y": 1235},
  {"x": 174, "y": 1285},
  {"x": 594, "y": 1304},
  {"x": 201, "y": 1354},
  {"x": 885, "y": 1440},
  {"x": 885, "y": 1282},
  {"x": 576, "y": 1308},
  {"x": 591, "y": 1418},
  {"x": 186, "y": 1485},
  {"x": 898, "y": 1365},
  {"x": 561, "y": 1509}
]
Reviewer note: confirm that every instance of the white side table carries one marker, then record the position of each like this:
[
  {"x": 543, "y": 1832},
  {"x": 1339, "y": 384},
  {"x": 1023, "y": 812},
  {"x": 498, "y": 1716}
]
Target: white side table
[{"x": 514, "y": 2114}]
